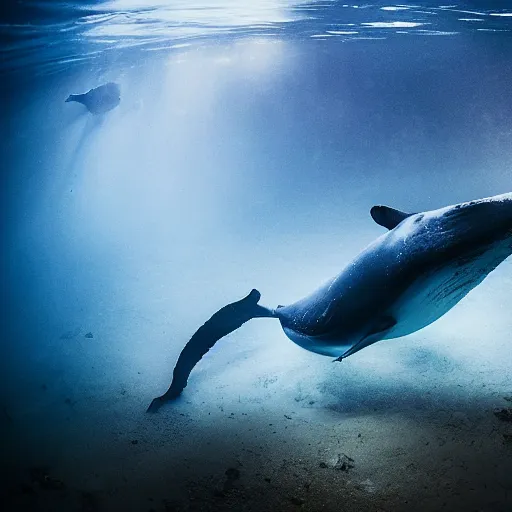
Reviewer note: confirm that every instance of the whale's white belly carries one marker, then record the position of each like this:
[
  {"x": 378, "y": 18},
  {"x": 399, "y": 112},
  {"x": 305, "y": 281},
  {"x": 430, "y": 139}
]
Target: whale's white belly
[
  {"x": 312, "y": 344},
  {"x": 433, "y": 295}
]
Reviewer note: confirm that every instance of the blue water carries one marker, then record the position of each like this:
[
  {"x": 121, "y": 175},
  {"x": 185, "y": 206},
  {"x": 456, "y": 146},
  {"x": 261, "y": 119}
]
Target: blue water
[
  {"x": 53, "y": 35},
  {"x": 251, "y": 141}
]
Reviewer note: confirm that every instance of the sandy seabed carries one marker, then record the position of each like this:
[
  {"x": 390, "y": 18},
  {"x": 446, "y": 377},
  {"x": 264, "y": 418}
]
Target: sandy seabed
[{"x": 408, "y": 424}]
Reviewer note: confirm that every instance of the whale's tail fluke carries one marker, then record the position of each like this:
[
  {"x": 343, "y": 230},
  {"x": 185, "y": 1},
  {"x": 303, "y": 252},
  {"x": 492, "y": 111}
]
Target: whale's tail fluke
[{"x": 226, "y": 320}]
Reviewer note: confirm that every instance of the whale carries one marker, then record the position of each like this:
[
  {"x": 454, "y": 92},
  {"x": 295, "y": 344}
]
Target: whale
[
  {"x": 410, "y": 276},
  {"x": 100, "y": 99}
]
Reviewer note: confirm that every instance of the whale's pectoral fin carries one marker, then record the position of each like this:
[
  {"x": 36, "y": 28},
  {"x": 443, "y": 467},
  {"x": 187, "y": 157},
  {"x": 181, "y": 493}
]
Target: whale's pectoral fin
[
  {"x": 383, "y": 325},
  {"x": 226, "y": 320},
  {"x": 388, "y": 217}
]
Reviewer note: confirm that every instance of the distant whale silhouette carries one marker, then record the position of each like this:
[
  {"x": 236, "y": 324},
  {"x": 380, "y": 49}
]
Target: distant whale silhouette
[
  {"x": 99, "y": 100},
  {"x": 405, "y": 280}
]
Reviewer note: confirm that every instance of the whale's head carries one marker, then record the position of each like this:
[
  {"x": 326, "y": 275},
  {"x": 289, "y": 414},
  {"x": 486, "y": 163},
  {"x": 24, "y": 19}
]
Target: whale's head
[
  {"x": 479, "y": 222},
  {"x": 450, "y": 232}
]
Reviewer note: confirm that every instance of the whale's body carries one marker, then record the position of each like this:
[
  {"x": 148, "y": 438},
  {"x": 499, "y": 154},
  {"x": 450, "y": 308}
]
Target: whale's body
[
  {"x": 405, "y": 280},
  {"x": 100, "y": 99}
]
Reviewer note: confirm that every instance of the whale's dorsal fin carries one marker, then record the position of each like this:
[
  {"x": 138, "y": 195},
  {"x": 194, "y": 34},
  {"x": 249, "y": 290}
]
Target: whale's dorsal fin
[{"x": 388, "y": 217}]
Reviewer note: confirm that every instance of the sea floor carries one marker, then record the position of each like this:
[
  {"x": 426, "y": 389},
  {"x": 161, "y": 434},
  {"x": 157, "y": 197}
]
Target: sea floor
[{"x": 410, "y": 424}]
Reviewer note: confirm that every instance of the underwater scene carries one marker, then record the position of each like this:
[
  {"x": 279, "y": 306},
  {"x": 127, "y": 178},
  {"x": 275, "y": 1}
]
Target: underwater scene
[{"x": 255, "y": 255}]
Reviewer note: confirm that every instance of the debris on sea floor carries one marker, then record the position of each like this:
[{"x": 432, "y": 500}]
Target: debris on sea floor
[
  {"x": 344, "y": 463},
  {"x": 40, "y": 476},
  {"x": 232, "y": 475},
  {"x": 503, "y": 413},
  {"x": 297, "y": 501}
]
